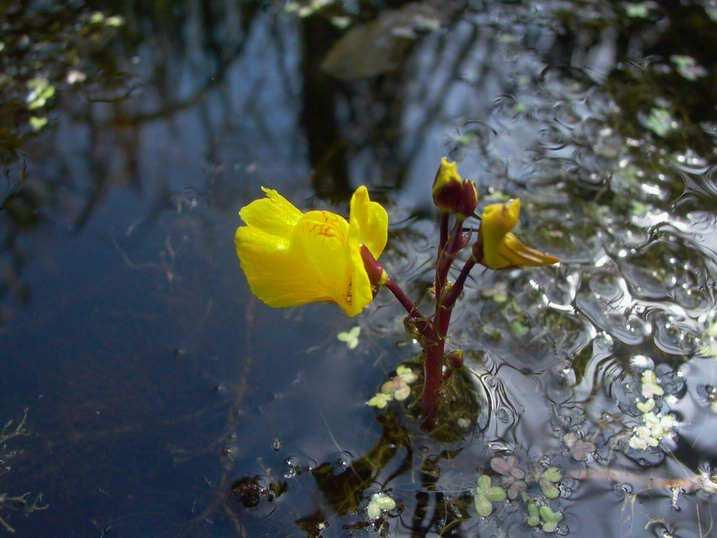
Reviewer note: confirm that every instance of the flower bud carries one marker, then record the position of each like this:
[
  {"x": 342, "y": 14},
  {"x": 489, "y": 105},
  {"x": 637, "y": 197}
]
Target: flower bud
[{"x": 452, "y": 193}]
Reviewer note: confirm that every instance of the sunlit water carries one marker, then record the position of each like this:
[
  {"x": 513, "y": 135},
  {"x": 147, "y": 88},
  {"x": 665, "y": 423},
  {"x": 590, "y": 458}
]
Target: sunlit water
[{"x": 163, "y": 400}]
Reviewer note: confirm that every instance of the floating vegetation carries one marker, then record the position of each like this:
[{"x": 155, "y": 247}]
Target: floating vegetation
[
  {"x": 688, "y": 67},
  {"x": 380, "y": 503},
  {"x": 655, "y": 425},
  {"x": 397, "y": 388},
  {"x": 660, "y": 121},
  {"x": 350, "y": 337},
  {"x": 486, "y": 494}
]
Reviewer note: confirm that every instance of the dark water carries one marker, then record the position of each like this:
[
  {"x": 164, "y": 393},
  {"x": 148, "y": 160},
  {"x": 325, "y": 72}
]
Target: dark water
[{"x": 163, "y": 400}]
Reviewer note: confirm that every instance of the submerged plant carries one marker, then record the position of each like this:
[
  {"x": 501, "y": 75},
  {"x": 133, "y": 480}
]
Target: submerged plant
[
  {"x": 26, "y": 502},
  {"x": 292, "y": 258}
]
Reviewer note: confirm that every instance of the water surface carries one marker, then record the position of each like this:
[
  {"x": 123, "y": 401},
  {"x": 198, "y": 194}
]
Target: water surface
[{"x": 163, "y": 400}]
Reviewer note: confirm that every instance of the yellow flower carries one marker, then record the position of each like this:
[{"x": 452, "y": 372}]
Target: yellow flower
[
  {"x": 292, "y": 258},
  {"x": 502, "y": 249}
]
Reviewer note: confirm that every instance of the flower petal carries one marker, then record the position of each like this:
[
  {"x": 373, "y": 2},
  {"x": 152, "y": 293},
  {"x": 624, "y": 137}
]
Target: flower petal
[
  {"x": 274, "y": 214},
  {"x": 361, "y": 294},
  {"x": 368, "y": 222},
  {"x": 520, "y": 254},
  {"x": 320, "y": 257},
  {"x": 501, "y": 248},
  {"x": 273, "y": 278}
]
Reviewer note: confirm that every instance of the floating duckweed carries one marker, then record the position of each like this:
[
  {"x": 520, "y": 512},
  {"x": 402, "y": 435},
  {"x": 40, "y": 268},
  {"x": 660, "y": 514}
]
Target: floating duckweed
[
  {"x": 654, "y": 426},
  {"x": 486, "y": 494},
  {"x": 341, "y": 22},
  {"x": 533, "y": 519},
  {"x": 397, "y": 388},
  {"x": 646, "y": 406},
  {"x": 660, "y": 121},
  {"x": 380, "y": 502},
  {"x": 709, "y": 341},
  {"x": 550, "y": 518},
  {"x": 306, "y": 9},
  {"x": 41, "y": 91},
  {"x": 74, "y": 76},
  {"x": 519, "y": 329},
  {"x": 406, "y": 374},
  {"x": 351, "y": 337},
  {"x": 37, "y": 122},
  {"x": 638, "y": 10},
  {"x": 548, "y": 482},
  {"x": 114, "y": 21},
  {"x": 380, "y": 400},
  {"x": 688, "y": 67},
  {"x": 651, "y": 385}
]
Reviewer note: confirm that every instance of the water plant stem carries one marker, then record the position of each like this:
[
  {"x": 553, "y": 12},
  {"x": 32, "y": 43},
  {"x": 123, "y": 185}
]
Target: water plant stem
[{"x": 423, "y": 325}]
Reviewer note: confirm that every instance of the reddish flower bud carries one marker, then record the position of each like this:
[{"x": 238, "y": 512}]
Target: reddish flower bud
[{"x": 452, "y": 193}]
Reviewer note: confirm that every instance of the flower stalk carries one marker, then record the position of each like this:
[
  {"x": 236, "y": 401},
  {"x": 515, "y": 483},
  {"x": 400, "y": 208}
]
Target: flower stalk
[
  {"x": 457, "y": 198},
  {"x": 291, "y": 258}
]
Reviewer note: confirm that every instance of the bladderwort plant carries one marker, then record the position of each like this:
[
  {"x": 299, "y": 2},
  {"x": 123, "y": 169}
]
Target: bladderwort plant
[{"x": 292, "y": 258}]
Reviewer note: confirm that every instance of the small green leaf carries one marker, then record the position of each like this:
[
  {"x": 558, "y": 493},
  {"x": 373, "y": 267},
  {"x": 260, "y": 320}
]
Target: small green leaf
[
  {"x": 533, "y": 514},
  {"x": 552, "y": 474},
  {"x": 483, "y": 506},
  {"x": 483, "y": 483},
  {"x": 351, "y": 337},
  {"x": 380, "y": 400},
  {"x": 646, "y": 406},
  {"x": 385, "y": 503},
  {"x": 659, "y": 121},
  {"x": 496, "y": 494},
  {"x": 519, "y": 329},
  {"x": 37, "y": 122},
  {"x": 638, "y": 11},
  {"x": 549, "y": 489},
  {"x": 549, "y": 516}
]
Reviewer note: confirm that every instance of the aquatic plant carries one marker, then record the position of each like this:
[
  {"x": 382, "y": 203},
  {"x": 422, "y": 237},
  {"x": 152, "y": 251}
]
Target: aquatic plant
[{"x": 292, "y": 258}]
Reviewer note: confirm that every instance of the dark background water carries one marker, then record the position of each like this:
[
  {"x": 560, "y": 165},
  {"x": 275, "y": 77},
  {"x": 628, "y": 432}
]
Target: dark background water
[{"x": 163, "y": 400}]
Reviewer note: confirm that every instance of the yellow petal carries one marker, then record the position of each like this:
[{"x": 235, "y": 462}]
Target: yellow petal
[
  {"x": 319, "y": 256},
  {"x": 447, "y": 174},
  {"x": 502, "y": 249},
  {"x": 368, "y": 222},
  {"x": 264, "y": 258},
  {"x": 521, "y": 255},
  {"x": 496, "y": 221},
  {"x": 273, "y": 214},
  {"x": 291, "y": 258},
  {"x": 361, "y": 293},
  {"x": 501, "y": 218}
]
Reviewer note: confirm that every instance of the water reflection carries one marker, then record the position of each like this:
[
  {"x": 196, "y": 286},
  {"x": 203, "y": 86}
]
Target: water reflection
[{"x": 117, "y": 215}]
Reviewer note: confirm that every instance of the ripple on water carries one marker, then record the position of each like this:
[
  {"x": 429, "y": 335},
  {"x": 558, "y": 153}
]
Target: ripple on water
[{"x": 668, "y": 268}]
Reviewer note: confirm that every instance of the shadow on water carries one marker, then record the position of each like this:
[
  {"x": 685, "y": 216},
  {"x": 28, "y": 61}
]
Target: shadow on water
[{"x": 165, "y": 401}]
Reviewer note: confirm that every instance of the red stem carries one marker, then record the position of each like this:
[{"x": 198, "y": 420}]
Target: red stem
[
  {"x": 446, "y": 257},
  {"x": 444, "y": 317},
  {"x": 433, "y": 376},
  {"x": 438, "y": 284},
  {"x": 435, "y": 349},
  {"x": 422, "y": 324}
]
